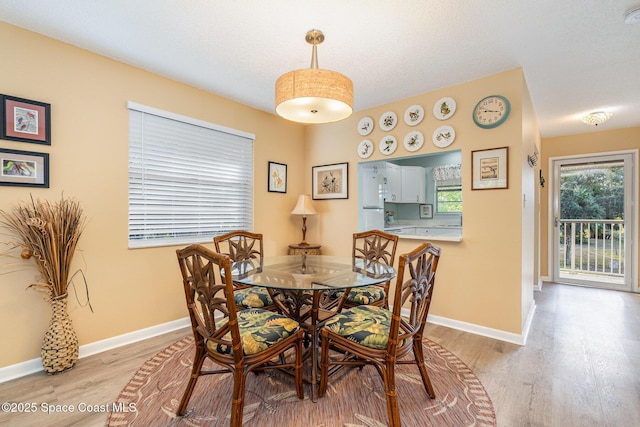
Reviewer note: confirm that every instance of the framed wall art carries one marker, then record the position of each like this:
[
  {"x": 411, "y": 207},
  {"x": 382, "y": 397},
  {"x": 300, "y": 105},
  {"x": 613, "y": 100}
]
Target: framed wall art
[
  {"x": 426, "y": 211},
  {"x": 24, "y": 168},
  {"x": 330, "y": 181},
  {"x": 25, "y": 120},
  {"x": 490, "y": 169},
  {"x": 277, "y": 177}
]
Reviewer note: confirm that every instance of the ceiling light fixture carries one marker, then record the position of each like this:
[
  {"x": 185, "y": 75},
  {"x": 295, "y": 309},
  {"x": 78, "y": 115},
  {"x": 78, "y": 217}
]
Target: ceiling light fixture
[
  {"x": 633, "y": 16},
  {"x": 314, "y": 95},
  {"x": 596, "y": 118}
]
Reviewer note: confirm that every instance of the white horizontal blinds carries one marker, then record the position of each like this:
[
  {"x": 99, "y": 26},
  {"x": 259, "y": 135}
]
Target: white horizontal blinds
[{"x": 187, "y": 182}]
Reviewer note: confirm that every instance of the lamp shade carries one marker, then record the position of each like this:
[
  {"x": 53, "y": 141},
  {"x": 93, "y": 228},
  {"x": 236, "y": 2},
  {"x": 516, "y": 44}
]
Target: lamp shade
[
  {"x": 304, "y": 206},
  {"x": 314, "y": 95}
]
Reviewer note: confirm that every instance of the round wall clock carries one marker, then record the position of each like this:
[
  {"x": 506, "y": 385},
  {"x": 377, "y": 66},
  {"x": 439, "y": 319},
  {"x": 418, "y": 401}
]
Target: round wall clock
[
  {"x": 365, "y": 126},
  {"x": 491, "y": 111}
]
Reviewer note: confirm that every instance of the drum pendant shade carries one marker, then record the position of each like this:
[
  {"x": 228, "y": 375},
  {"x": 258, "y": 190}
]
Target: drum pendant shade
[{"x": 314, "y": 95}]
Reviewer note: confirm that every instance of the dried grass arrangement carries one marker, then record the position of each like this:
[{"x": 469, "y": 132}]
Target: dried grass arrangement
[{"x": 49, "y": 233}]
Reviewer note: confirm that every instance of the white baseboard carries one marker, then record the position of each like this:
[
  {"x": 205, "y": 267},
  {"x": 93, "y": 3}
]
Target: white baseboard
[
  {"x": 538, "y": 286},
  {"x": 484, "y": 331},
  {"x": 35, "y": 365},
  {"x": 527, "y": 325}
]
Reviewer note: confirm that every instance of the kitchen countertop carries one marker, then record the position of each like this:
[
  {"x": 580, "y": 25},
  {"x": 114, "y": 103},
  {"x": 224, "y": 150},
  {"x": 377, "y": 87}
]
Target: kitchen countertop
[{"x": 432, "y": 235}]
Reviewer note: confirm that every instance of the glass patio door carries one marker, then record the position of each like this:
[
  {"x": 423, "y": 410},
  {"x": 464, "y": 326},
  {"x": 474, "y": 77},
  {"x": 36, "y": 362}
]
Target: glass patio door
[{"x": 593, "y": 221}]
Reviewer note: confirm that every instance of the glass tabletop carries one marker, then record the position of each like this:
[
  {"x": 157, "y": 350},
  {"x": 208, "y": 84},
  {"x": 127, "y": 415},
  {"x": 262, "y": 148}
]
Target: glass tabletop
[{"x": 311, "y": 272}]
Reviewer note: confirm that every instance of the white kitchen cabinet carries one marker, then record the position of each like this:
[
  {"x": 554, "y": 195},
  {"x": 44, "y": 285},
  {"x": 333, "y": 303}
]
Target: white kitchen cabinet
[
  {"x": 393, "y": 182},
  {"x": 412, "y": 184}
]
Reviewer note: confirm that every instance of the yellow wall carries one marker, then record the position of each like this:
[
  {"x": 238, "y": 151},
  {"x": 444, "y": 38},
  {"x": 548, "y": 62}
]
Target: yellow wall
[
  {"x": 129, "y": 289},
  {"x": 587, "y": 143},
  {"x": 481, "y": 280}
]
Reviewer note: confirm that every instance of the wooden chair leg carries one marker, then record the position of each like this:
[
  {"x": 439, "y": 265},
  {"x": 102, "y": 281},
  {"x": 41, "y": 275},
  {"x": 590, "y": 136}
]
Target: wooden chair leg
[
  {"x": 418, "y": 353},
  {"x": 299, "y": 370},
  {"x": 393, "y": 411},
  {"x": 324, "y": 368},
  {"x": 198, "y": 360},
  {"x": 237, "y": 404}
]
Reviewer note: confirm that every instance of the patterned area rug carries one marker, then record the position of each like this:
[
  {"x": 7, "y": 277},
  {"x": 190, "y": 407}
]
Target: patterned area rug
[{"x": 355, "y": 398}]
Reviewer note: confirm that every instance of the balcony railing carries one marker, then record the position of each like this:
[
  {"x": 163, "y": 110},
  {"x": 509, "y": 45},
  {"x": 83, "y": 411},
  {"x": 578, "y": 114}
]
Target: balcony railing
[{"x": 592, "y": 247}]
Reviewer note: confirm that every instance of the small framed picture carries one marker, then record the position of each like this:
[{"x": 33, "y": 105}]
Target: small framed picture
[
  {"x": 490, "y": 169},
  {"x": 426, "y": 211},
  {"x": 25, "y": 120},
  {"x": 24, "y": 168},
  {"x": 277, "y": 177},
  {"x": 330, "y": 181}
]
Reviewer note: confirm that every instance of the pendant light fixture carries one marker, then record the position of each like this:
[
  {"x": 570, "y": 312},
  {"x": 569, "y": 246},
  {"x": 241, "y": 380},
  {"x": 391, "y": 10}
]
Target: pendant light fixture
[
  {"x": 596, "y": 118},
  {"x": 314, "y": 95},
  {"x": 633, "y": 16}
]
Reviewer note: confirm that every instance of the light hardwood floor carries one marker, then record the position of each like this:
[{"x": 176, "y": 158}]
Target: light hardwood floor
[{"x": 580, "y": 367}]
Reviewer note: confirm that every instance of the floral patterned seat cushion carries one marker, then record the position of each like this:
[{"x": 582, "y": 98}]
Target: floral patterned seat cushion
[
  {"x": 253, "y": 297},
  {"x": 366, "y": 295},
  {"x": 259, "y": 329},
  {"x": 367, "y": 325}
]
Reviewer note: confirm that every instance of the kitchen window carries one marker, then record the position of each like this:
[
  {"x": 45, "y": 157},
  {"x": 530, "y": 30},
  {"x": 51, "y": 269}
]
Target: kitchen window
[
  {"x": 449, "y": 198},
  {"x": 448, "y": 188},
  {"x": 189, "y": 180}
]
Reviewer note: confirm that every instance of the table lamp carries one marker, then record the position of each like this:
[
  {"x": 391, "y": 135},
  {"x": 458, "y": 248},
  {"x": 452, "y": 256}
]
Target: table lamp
[{"x": 304, "y": 208}]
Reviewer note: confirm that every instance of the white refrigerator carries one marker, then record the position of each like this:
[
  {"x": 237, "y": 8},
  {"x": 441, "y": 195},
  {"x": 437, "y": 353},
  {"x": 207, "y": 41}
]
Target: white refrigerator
[
  {"x": 371, "y": 199},
  {"x": 372, "y": 219}
]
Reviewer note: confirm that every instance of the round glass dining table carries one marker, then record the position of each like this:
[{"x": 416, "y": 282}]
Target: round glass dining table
[
  {"x": 310, "y": 288},
  {"x": 310, "y": 272}
]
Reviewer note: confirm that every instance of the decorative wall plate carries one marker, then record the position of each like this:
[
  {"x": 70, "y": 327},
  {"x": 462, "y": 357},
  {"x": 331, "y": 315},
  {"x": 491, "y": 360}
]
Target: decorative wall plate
[
  {"x": 413, "y": 141},
  {"x": 388, "y": 121},
  {"x": 444, "y": 136},
  {"x": 414, "y": 115},
  {"x": 388, "y": 145},
  {"x": 365, "y": 126},
  {"x": 365, "y": 148},
  {"x": 444, "y": 108}
]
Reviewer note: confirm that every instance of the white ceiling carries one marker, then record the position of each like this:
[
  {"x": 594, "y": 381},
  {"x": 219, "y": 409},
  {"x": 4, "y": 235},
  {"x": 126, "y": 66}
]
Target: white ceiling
[{"x": 578, "y": 56}]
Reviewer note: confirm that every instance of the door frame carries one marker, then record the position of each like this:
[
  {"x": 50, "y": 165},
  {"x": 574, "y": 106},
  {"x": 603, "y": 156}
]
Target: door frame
[{"x": 553, "y": 203}]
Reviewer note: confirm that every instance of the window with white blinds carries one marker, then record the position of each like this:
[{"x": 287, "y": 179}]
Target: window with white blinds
[
  {"x": 448, "y": 187},
  {"x": 189, "y": 180}
]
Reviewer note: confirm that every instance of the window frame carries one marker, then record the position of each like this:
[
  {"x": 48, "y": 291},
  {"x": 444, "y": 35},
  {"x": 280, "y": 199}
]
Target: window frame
[{"x": 148, "y": 196}]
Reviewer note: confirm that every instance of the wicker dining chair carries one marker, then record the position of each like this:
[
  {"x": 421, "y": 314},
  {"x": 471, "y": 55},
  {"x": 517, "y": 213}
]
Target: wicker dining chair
[
  {"x": 372, "y": 245},
  {"x": 242, "y": 245},
  {"x": 380, "y": 337},
  {"x": 240, "y": 342}
]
